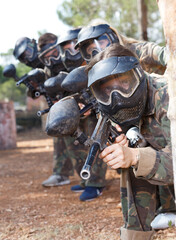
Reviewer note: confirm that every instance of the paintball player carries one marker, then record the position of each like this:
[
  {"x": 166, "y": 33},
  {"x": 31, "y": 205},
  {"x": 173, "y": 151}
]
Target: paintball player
[
  {"x": 96, "y": 37},
  {"x": 26, "y": 52},
  {"x": 131, "y": 97},
  {"x": 49, "y": 55},
  {"x": 63, "y": 167},
  {"x": 72, "y": 59}
]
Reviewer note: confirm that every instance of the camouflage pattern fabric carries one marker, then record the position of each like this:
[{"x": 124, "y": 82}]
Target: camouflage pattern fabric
[
  {"x": 61, "y": 159},
  {"x": 143, "y": 197},
  {"x": 152, "y": 57}
]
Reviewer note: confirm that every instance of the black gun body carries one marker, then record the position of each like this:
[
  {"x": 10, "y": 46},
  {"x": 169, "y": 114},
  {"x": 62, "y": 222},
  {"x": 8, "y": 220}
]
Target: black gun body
[{"x": 98, "y": 142}]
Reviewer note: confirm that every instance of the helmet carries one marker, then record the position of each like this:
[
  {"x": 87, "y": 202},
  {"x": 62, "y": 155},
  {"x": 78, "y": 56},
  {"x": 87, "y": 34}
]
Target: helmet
[
  {"x": 50, "y": 57},
  {"x": 93, "y": 39},
  {"x": 119, "y": 85},
  {"x": 70, "y": 56},
  {"x": 26, "y": 52}
]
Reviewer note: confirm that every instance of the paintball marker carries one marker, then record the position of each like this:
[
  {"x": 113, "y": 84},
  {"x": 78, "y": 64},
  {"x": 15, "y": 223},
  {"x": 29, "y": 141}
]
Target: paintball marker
[
  {"x": 67, "y": 112},
  {"x": 34, "y": 81},
  {"x": 10, "y": 71},
  {"x": 53, "y": 90},
  {"x": 75, "y": 84},
  {"x": 105, "y": 132},
  {"x": 64, "y": 118}
]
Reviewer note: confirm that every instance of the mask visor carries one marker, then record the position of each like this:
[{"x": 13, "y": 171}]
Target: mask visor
[
  {"x": 123, "y": 83},
  {"x": 68, "y": 46},
  {"x": 94, "y": 46},
  {"x": 27, "y": 55},
  {"x": 52, "y": 53}
]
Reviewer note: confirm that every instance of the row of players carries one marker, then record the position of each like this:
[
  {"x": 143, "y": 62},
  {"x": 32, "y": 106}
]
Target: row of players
[{"x": 77, "y": 47}]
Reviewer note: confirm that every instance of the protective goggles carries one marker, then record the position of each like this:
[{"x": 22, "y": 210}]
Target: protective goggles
[
  {"x": 93, "y": 46},
  {"x": 68, "y": 46},
  {"x": 28, "y": 53},
  {"x": 50, "y": 55},
  {"x": 123, "y": 83}
]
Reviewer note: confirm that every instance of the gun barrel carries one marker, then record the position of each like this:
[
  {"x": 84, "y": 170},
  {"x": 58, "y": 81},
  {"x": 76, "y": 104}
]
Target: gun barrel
[
  {"x": 37, "y": 94},
  {"x": 86, "y": 108},
  {"x": 94, "y": 151},
  {"x": 85, "y": 172},
  {"x": 22, "y": 80},
  {"x": 18, "y": 83},
  {"x": 40, "y": 113}
]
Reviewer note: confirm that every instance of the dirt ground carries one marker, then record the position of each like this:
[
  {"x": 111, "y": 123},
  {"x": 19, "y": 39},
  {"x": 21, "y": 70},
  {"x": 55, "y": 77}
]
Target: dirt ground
[{"x": 30, "y": 211}]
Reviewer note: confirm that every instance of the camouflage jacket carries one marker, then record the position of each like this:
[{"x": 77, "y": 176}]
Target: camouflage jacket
[
  {"x": 155, "y": 161},
  {"x": 152, "y": 56}
]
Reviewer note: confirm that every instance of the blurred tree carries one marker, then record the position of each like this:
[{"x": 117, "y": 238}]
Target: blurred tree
[
  {"x": 2, "y": 78},
  {"x": 41, "y": 32},
  {"x": 8, "y": 90},
  {"x": 142, "y": 19},
  {"x": 122, "y": 15}
]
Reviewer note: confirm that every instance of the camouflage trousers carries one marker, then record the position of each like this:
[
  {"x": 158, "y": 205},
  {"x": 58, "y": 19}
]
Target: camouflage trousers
[
  {"x": 68, "y": 156},
  {"x": 141, "y": 201}
]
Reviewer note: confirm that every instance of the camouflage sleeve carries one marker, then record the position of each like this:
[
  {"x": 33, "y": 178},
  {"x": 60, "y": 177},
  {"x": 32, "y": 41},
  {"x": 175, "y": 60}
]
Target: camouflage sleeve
[
  {"x": 155, "y": 162},
  {"x": 151, "y": 56},
  {"x": 149, "y": 51},
  {"x": 155, "y": 166}
]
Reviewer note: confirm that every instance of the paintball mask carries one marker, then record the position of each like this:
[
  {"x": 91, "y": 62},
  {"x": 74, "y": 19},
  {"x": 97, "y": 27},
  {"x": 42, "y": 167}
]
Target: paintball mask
[
  {"x": 119, "y": 85},
  {"x": 94, "y": 39},
  {"x": 70, "y": 56},
  {"x": 50, "y": 57},
  {"x": 26, "y": 52}
]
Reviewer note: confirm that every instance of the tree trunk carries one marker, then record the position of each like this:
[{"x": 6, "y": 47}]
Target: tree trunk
[
  {"x": 167, "y": 10},
  {"x": 142, "y": 19},
  {"x": 7, "y": 126}
]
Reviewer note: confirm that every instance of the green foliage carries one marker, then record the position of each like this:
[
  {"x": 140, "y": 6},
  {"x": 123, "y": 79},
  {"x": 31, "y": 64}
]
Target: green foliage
[
  {"x": 170, "y": 224},
  {"x": 119, "y": 14},
  {"x": 2, "y": 78},
  {"x": 22, "y": 69},
  {"x": 41, "y": 32},
  {"x": 8, "y": 90},
  {"x": 9, "y": 53},
  {"x": 78, "y": 12}
]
